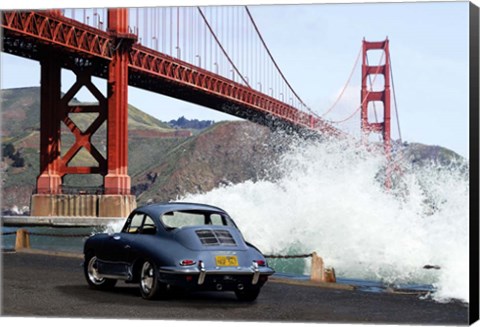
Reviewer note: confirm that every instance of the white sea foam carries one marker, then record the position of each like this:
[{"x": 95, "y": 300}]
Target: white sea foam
[{"x": 330, "y": 199}]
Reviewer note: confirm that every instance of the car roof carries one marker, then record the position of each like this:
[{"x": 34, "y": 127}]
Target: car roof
[{"x": 158, "y": 209}]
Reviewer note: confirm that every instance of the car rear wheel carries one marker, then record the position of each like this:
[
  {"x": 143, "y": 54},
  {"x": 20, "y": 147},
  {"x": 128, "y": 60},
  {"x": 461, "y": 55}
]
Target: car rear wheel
[
  {"x": 93, "y": 278},
  {"x": 150, "y": 287},
  {"x": 248, "y": 294}
]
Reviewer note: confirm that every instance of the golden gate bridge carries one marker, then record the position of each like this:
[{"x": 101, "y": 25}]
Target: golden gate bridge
[{"x": 211, "y": 56}]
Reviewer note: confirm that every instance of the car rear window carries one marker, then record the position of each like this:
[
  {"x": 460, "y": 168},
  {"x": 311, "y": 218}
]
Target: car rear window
[{"x": 178, "y": 219}]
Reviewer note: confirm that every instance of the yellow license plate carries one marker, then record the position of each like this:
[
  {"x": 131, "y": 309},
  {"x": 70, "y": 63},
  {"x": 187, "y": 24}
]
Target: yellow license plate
[{"x": 226, "y": 260}]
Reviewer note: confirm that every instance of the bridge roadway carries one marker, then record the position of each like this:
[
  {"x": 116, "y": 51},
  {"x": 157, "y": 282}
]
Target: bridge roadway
[{"x": 43, "y": 285}]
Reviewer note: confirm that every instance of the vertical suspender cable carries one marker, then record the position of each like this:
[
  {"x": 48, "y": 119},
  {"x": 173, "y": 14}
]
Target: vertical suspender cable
[
  {"x": 145, "y": 27},
  {"x": 225, "y": 31},
  {"x": 204, "y": 45},
  {"x": 197, "y": 36},
  {"x": 159, "y": 28},
  {"x": 185, "y": 31},
  {"x": 178, "y": 32},
  {"x": 164, "y": 36},
  {"x": 275, "y": 63},
  {"x": 246, "y": 47},
  {"x": 242, "y": 42},
  {"x": 254, "y": 58},
  {"x": 170, "y": 32},
  {"x": 235, "y": 36},
  {"x": 154, "y": 33},
  {"x": 219, "y": 26},
  {"x": 395, "y": 99},
  {"x": 136, "y": 23},
  {"x": 191, "y": 39},
  {"x": 236, "y": 39},
  {"x": 221, "y": 47}
]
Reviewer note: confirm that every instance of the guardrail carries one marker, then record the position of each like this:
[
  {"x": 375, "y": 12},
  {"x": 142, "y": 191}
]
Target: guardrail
[
  {"x": 50, "y": 221},
  {"x": 318, "y": 271}
]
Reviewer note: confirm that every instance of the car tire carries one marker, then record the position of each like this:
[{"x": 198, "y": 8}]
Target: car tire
[
  {"x": 91, "y": 274},
  {"x": 150, "y": 287},
  {"x": 248, "y": 294}
]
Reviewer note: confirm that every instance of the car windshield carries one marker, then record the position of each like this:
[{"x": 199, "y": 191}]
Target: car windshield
[{"x": 178, "y": 219}]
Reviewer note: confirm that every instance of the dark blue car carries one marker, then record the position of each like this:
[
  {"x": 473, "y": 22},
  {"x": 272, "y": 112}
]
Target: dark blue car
[{"x": 163, "y": 246}]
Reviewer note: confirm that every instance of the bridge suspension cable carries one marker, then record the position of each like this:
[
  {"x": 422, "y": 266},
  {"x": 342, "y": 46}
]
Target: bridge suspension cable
[
  {"x": 364, "y": 100},
  {"x": 346, "y": 84},
  {"x": 273, "y": 59},
  {"x": 221, "y": 47},
  {"x": 395, "y": 100},
  {"x": 224, "y": 40}
]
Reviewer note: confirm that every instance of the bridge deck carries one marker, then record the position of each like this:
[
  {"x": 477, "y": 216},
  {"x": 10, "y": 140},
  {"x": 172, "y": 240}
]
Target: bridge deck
[{"x": 34, "y": 34}]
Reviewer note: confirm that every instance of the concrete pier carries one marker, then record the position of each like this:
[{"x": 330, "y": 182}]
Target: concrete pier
[{"x": 82, "y": 205}]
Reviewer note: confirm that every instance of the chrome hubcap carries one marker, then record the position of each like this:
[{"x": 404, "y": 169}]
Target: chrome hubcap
[
  {"x": 93, "y": 272},
  {"x": 147, "y": 277}
]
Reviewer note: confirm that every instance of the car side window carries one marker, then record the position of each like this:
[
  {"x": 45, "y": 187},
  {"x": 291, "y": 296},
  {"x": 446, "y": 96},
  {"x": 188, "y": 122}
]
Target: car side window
[
  {"x": 149, "y": 226},
  {"x": 135, "y": 223}
]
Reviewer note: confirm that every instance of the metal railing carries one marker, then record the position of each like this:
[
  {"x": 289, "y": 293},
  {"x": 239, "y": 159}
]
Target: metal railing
[{"x": 318, "y": 272}]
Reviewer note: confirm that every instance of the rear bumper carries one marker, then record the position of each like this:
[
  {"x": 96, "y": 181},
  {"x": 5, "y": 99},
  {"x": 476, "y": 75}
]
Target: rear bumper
[{"x": 200, "y": 275}]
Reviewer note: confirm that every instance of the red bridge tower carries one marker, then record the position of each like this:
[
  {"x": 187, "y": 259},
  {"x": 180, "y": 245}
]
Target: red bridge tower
[
  {"x": 369, "y": 125},
  {"x": 115, "y": 200}
]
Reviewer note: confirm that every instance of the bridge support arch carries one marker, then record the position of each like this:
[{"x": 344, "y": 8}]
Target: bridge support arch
[{"x": 114, "y": 199}]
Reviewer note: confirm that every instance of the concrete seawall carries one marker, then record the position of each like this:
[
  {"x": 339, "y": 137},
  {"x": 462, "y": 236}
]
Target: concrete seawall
[
  {"x": 319, "y": 273},
  {"x": 59, "y": 221}
]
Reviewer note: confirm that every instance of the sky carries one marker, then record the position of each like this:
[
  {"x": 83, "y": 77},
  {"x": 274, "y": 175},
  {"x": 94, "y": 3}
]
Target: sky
[{"x": 316, "y": 46}]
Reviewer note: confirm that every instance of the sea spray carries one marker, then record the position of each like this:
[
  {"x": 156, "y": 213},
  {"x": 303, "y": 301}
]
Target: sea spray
[{"x": 329, "y": 197}]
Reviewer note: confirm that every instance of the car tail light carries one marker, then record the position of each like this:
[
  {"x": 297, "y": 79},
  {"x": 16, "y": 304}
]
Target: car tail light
[
  {"x": 260, "y": 262},
  {"x": 189, "y": 278},
  {"x": 187, "y": 262}
]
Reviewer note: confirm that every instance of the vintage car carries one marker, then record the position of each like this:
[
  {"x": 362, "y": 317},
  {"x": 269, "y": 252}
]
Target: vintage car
[{"x": 169, "y": 245}]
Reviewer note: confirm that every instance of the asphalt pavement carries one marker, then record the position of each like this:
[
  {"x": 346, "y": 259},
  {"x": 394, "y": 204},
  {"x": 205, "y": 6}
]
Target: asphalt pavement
[{"x": 38, "y": 285}]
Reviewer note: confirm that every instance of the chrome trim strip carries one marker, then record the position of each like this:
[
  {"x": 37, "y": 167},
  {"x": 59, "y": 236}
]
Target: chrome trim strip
[{"x": 244, "y": 271}]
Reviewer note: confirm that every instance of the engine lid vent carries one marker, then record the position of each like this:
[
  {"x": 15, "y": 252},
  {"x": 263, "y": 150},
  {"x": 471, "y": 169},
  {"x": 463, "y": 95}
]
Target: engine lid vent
[{"x": 211, "y": 237}]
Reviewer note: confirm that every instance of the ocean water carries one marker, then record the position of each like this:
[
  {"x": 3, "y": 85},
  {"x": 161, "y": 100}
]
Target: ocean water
[
  {"x": 329, "y": 197},
  {"x": 65, "y": 239}
]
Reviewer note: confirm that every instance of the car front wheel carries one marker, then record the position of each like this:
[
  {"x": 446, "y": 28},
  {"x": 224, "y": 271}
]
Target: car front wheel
[
  {"x": 150, "y": 287},
  {"x": 248, "y": 294},
  {"x": 91, "y": 274}
]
